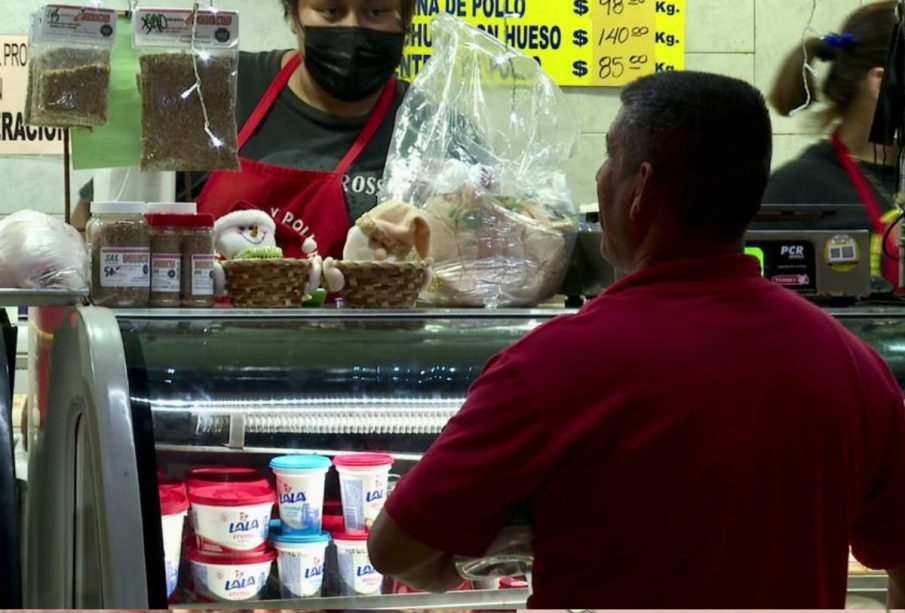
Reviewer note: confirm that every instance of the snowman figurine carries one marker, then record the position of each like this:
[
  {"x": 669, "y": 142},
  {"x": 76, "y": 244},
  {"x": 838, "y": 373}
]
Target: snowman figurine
[{"x": 251, "y": 234}]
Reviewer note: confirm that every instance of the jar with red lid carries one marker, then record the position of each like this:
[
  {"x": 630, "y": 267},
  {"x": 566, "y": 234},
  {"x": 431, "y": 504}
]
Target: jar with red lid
[{"x": 182, "y": 260}]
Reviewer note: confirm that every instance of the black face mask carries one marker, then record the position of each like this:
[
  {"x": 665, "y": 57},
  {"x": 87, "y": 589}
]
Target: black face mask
[{"x": 351, "y": 63}]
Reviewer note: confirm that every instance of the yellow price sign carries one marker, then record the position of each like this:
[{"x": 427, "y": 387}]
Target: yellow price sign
[{"x": 602, "y": 43}]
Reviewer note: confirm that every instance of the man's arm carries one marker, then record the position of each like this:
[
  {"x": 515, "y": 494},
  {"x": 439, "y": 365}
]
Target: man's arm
[
  {"x": 395, "y": 553},
  {"x": 895, "y": 594},
  {"x": 491, "y": 457}
]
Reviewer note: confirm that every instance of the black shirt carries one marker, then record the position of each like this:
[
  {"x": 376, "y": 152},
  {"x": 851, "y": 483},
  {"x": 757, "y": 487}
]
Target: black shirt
[
  {"x": 818, "y": 177},
  {"x": 297, "y": 135}
]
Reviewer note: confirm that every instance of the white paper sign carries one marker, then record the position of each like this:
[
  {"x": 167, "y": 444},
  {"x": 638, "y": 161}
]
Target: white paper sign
[{"x": 16, "y": 138}]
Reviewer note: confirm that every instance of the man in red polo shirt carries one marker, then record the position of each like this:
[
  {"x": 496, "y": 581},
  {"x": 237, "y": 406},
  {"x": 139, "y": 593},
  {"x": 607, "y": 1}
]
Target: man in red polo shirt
[{"x": 696, "y": 436}]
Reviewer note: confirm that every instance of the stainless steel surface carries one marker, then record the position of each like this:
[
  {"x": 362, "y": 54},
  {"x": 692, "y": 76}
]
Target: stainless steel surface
[
  {"x": 476, "y": 599},
  {"x": 41, "y": 297},
  {"x": 163, "y": 447},
  {"x": 88, "y": 403},
  {"x": 221, "y": 314}
]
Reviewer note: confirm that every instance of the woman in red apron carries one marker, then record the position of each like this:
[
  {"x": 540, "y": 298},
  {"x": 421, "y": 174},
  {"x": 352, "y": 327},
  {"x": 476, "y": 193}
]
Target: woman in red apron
[
  {"x": 847, "y": 168},
  {"x": 350, "y": 52}
]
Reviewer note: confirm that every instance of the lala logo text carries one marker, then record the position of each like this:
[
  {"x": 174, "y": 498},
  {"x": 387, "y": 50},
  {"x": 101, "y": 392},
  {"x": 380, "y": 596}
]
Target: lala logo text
[
  {"x": 365, "y": 570},
  {"x": 240, "y": 582},
  {"x": 244, "y": 524}
]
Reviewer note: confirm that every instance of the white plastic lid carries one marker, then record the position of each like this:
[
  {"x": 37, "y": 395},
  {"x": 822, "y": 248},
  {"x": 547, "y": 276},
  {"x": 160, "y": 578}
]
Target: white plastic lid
[
  {"x": 119, "y": 208},
  {"x": 173, "y": 208}
]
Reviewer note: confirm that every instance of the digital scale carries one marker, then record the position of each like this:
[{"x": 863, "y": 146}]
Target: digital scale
[
  {"x": 813, "y": 250},
  {"x": 810, "y": 249}
]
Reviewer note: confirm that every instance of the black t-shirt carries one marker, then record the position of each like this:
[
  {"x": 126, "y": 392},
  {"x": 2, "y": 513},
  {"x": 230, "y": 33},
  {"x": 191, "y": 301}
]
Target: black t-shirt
[
  {"x": 297, "y": 135},
  {"x": 818, "y": 177}
]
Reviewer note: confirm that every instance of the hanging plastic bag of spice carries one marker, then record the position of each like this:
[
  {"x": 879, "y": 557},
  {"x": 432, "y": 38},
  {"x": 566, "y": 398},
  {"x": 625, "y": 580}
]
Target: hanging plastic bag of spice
[
  {"x": 188, "y": 81},
  {"x": 69, "y": 69}
]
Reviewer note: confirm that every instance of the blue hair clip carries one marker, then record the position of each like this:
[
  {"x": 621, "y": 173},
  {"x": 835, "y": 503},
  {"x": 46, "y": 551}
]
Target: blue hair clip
[{"x": 839, "y": 41}]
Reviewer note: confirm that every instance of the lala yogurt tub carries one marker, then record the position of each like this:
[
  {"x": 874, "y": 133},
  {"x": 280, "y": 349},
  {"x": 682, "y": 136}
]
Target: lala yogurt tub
[
  {"x": 231, "y": 519},
  {"x": 301, "y": 560},
  {"x": 363, "y": 480},
  {"x": 300, "y": 491},
  {"x": 174, "y": 506},
  {"x": 231, "y": 577},
  {"x": 357, "y": 576}
]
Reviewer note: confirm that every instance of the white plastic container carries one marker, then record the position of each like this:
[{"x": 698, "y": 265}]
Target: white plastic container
[
  {"x": 231, "y": 519},
  {"x": 173, "y": 508},
  {"x": 230, "y": 578},
  {"x": 363, "y": 484},
  {"x": 301, "y": 561},
  {"x": 357, "y": 576},
  {"x": 300, "y": 491}
]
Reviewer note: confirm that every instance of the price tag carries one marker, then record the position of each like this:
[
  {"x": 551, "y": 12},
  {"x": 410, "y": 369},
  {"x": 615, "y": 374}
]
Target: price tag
[
  {"x": 63, "y": 24},
  {"x": 173, "y": 28}
]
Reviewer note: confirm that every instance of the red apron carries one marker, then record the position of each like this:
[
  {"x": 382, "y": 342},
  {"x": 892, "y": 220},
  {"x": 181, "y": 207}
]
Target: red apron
[
  {"x": 303, "y": 203},
  {"x": 887, "y": 267}
]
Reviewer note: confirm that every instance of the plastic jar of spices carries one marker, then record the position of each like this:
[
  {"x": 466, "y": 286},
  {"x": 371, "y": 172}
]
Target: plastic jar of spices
[
  {"x": 120, "y": 254},
  {"x": 182, "y": 255},
  {"x": 166, "y": 259},
  {"x": 198, "y": 261}
]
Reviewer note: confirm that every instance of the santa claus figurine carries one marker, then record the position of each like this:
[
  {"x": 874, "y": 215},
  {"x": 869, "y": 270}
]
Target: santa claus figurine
[
  {"x": 391, "y": 232},
  {"x": 251, "y": 234}
]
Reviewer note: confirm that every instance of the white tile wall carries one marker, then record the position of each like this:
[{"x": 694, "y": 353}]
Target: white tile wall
[{"x": 743, "y": 38}]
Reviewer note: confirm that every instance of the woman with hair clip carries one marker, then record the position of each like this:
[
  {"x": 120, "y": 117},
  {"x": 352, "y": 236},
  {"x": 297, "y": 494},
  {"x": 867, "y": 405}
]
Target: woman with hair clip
[{"x": 846, "y": 168}]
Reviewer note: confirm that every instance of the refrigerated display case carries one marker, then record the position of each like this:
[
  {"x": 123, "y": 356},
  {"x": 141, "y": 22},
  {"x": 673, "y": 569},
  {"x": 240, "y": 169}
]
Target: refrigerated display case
[
  {"x": 122, "y": 400},
  {"x": 10, "y": 524}
]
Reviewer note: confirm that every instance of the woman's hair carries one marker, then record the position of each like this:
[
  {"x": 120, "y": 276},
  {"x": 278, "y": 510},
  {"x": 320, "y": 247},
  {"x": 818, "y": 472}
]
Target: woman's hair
[
  {"x": 862, "y": 45},
  {"x": 406, "y": 10}
]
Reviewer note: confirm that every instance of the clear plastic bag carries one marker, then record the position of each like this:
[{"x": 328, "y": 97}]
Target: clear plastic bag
[
  {"x": 188, "y": 83},
  {"x": 69, "y": 69},
  {"x": 40, "y": 252},
  {"x": 481, "y": 143}
]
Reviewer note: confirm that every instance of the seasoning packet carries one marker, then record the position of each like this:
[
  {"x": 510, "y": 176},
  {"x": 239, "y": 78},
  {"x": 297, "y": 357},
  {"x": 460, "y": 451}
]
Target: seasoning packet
[
  {"x": 69, "y": 69},
  {"x": 188, "y": 84}
]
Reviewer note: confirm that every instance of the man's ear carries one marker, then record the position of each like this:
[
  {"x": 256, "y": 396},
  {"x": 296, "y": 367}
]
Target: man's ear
[{"x": 640, "y": 198}]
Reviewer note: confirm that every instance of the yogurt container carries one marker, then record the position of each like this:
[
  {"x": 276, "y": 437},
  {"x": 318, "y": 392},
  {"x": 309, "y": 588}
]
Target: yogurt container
[
  {"x": 300, "y": 491},
  {"x": 363, "y": 486},
  {"x": 357, "y": 577},
  {"x": 204, "y": 477},
  {"x": 173, "y": 508},
  {"x": 231, "y": 519},
  {"x": 301, "y": 561},
  {"x": 230, "y": 578}
]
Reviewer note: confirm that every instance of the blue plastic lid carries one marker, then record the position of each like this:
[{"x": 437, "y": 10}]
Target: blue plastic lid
[
  {"x": 297, "y": 538},
  {"x": 300, "y": 462}
]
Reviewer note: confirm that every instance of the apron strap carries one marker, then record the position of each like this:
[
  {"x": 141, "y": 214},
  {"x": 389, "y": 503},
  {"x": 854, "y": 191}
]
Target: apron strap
[
  {"x": 379, "y": 113},
  {"x": 861, "y": 185},
  {"x": 269, "y": 99}
]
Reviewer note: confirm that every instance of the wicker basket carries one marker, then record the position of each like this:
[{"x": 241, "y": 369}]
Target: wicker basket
[
  {"x": 379, "y": 285},
  {"x": 266, "y": 283}
]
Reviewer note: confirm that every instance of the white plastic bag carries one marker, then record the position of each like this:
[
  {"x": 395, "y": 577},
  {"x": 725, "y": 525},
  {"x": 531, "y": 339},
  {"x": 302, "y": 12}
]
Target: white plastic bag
[
  {"x": 40, "y": 252},
  {"x": 481, "y": 143}
]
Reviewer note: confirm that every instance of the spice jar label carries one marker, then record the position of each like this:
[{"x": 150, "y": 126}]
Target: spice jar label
[
  {"x": 165, "y": 269},
  {"x": 202, "y": 275},
  {"x": 125, "y": 267},
  {"x": 164, "y": 27},
  {"x": 62, "y": 23}
]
